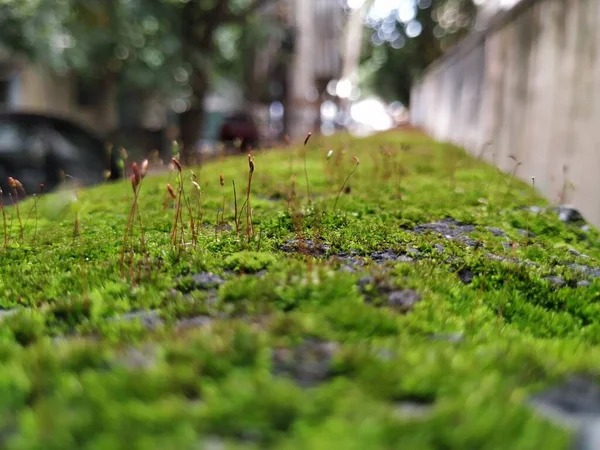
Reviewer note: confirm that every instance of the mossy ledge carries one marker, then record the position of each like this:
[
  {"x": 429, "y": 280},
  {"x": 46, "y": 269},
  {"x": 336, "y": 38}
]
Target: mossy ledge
[{"x": 426, "y": 312}]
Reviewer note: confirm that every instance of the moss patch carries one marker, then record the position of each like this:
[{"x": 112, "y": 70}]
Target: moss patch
[{"x": 417, "y": 315}]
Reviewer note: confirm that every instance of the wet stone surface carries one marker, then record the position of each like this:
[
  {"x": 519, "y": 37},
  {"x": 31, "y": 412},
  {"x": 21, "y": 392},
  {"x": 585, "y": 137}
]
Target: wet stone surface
[
  {"x": 308, "y": 364},
  {"x": 574, "y": 252},
  {"x": 413, "y": 410},
  {"x": 466, "y": 276},
  {"x": 384, "y": 256},
  {"x": 149, "y": 319},
  {"x": 222, "y": 227},
  {"x": 212, "y": 443},
  {"x": 403, "y": 300},
  {"x": 501, "y": 258},
  {"x": 349, "y": 262},
  {"x": 305, "y": 247},
  {"x": 413, "y": 252},
  {"x": 207, "y": 280},
  {"x": 450, "y": 229},
  {"x": 496, "y": 231},
  {"x": 588, "y": 437},
  {"x": 568, "y": 214},
  {"x": 527, "y": 234},
  {"x": 194, "y": 322},
  {"x": 536, "y": 209},
  {"x": 455, "y": 338},
  {"x": 4, "y": 313},
  {"x": 139, "y": 358},
  {"x": 556, "y": 280},
  {"x": 593, "y": 272},
  {"x": 572, "y": 403}
]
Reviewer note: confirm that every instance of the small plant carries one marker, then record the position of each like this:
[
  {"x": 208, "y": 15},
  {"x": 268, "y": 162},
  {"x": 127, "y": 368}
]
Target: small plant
[
  {"x": 528, "y": 213},
  {"x": 249, "y": 228},
  {"x": 327, "y": 166},
  {"x": 136, "y": 183},
  {"x": 16, "y": 185},
  {"x": 339, "y": 158},
  {"x": 222, "y": 211},
  {"x": 35, "y": 205},
  {"x": 292, "y": 195},
  {"x": 198, "y": 214},
  {"x": 356, "y": 163},
  {"x": 510, "y": 180},
  {"x": 483, "y": 149},
  {"x": 187, "y": 202},
  {"x": 305, "y": 168},
  {"x": 235, "y": 210},
  {"x": 76, "y": 225},
  {"x": 566, "y": 186},
  {"x": 4, "y": 225},
  {"x": 108, "y": 152},
  {"x": 123, "y": 156},
  {"x": 177, "y": 231},
  {"x": 182, "y": 198},
  {"x": 34, "y": 211},
  {"x": 175, "y": 153},
  {"x": 246, "y": 203}
]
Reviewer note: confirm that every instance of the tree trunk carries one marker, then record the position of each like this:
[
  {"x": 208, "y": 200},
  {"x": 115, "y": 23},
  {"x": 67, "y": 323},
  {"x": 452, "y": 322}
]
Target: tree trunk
[
  {"x": 192, "y": 120},
  {"x": 191, "y": 123}
]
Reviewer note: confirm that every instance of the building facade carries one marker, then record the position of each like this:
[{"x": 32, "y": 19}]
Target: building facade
[
  {"x": 32, "y": 88},
  {"x": 320, "y": 43}
]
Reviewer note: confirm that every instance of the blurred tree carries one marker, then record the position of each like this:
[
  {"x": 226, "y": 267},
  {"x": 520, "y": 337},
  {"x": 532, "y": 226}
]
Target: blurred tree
[
  {"x": 175, "y": 48},
  {"x": 403, "y": 41}
]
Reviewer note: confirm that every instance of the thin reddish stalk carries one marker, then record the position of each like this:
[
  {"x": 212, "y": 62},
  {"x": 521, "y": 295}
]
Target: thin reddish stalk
[
  {"x": 344, "y": 184},
  {"x": 235, "y": 209},
  {"x": 248, "y": 208},
  {"x": 198, "y": 217},
  {"x": 128, "y": 230},
  {"x": 217, "y": 228},
  {"x": 4, "y": 220},
  {"x": 189, "y": 208},
  {"x": 142, "y": 234},
  {"x": 16, "y": 203},
  {"x": 305, "y": 168},
  {"x": 166, "y": 201}
]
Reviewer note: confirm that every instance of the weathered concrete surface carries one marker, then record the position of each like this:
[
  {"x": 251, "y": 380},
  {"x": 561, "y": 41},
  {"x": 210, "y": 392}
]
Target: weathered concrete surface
[{"x": 529, "y": 85}]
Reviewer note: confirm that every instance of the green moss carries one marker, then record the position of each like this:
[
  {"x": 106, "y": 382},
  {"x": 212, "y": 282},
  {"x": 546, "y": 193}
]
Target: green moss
[
  {"x": 91, "y": 359},
  {"x": 249, "y": 262}
]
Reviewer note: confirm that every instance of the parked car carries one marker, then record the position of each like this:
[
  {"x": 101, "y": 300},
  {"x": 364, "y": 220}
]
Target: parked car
[
  {"x": 239, "y": 125},
  {"x": 38, "y": 149}
]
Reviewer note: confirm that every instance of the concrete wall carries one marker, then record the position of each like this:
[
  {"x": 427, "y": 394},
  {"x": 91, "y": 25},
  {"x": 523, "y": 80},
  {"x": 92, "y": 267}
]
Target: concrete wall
[{"x": 529, "y": 84}]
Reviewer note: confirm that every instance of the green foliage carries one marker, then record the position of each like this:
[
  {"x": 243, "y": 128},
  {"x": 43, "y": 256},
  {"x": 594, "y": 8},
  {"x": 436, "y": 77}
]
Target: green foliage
[
  {"x": 161, "y": 45},
  {"x": 392, "y": 66},
  {"x": 249, "y": 262}
]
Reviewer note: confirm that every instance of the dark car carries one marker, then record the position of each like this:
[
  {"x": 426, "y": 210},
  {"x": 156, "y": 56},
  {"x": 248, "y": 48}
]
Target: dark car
[
  {"x": 239, "y": 125},
  {"x": 38, "y": 149}
]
